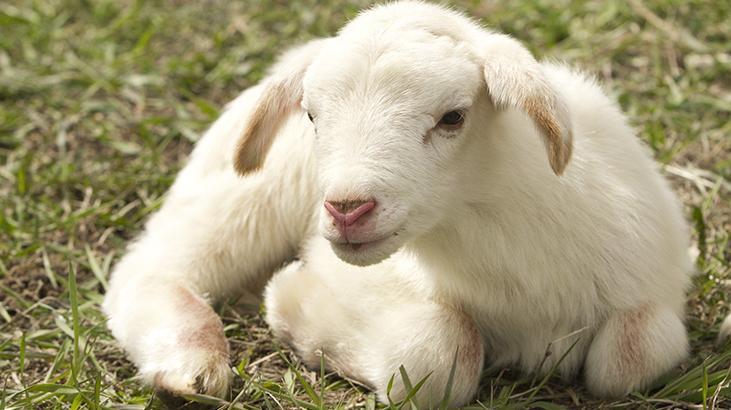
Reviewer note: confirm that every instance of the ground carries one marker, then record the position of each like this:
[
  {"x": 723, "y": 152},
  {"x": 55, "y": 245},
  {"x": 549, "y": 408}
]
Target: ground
[{"x": 101, "y": 102}]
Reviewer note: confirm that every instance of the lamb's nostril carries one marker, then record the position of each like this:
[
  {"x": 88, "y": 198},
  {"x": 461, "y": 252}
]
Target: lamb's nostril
[{"x": 349, "y": 211}]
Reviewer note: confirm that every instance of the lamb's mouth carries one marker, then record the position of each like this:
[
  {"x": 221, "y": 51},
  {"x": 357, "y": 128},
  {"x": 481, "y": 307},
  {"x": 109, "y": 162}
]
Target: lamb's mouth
[{"x": 351, "y": 246}]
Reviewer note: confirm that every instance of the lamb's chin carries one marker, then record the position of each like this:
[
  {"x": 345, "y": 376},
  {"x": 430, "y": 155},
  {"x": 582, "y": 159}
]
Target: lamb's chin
[{"x": 368, "y": 253}]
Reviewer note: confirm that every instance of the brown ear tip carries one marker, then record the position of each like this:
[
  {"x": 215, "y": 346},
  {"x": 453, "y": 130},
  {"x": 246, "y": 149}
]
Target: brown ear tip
[
  {"x": 560, "y": 160},
  {"x": 244, "y": 168},
  {"x": 558, "y": 169},
  {"x": 242, "y": 172}
]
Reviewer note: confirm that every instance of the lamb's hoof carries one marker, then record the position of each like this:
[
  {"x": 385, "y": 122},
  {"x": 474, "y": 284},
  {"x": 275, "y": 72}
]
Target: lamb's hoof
[
  {"x": 212, "y": 381},
  {"x": 211, "y": 378}
]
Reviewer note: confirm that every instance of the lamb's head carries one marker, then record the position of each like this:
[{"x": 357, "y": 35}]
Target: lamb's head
[{"x": 394, "y": 100}]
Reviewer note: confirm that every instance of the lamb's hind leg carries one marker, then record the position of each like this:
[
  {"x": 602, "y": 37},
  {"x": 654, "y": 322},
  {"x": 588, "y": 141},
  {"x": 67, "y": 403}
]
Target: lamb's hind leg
[
  {"x": 633, "y": 348},
  {"x": 368, "y": 325}
]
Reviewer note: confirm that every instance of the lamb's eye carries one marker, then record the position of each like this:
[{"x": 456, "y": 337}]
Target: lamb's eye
[
  {"x": 310, "y": 116},
  {"x": 451, "y": 120}
]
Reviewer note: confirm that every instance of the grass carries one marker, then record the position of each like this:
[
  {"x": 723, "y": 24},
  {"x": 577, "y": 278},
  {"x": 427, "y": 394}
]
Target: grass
[{"x": 101, "y": 102}]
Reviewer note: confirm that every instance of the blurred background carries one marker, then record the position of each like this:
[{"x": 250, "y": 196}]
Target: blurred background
[{"x": 101, "y": 102}]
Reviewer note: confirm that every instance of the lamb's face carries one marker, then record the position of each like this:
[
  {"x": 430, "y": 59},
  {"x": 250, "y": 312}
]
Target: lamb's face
[
  {"x": 393, "y": 99},
  {"x": 391, "y": 121}
]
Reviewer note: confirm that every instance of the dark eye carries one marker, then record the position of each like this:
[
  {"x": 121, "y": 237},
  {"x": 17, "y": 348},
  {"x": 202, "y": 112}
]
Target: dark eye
[
  {"x": 451, "y": 120},
  {"x": 310, "y": 117}
]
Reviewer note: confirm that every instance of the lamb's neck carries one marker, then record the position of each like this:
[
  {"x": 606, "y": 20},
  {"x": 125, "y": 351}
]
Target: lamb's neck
[{"x": 457, "y": 246}]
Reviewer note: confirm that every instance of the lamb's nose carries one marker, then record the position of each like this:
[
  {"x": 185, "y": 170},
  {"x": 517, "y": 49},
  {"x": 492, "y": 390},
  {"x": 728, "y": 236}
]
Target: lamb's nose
[{"x": 348, "y": 211}]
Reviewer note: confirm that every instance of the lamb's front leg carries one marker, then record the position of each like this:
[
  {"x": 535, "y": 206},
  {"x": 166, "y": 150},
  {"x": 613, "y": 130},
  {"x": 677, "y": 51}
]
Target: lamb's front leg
[
  {"x": 216, "y": 235},
  {"x": 368, "y": 323},
  {"x": 633, "y": 348},
  {"x": 212, "y": 246}
]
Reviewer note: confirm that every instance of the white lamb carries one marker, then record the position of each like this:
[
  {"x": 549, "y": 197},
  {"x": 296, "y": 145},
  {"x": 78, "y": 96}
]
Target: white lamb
[{"x": 470, "y": 201}]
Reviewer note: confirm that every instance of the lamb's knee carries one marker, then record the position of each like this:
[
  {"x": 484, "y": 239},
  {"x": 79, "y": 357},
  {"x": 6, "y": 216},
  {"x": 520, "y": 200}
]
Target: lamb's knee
[{"x": 632, "y": 349}]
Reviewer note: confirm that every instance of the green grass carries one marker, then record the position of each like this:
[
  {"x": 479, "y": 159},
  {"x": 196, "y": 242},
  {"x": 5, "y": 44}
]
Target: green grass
[{"x": 102, "y": 100}]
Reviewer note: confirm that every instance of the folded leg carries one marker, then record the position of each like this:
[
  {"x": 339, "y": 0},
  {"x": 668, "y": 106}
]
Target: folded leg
[
  {"x": 370, "y": 321},
  {"x": 633, "y": 348}
]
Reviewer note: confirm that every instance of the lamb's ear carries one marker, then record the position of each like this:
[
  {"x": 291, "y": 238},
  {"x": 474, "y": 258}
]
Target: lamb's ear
[
  {"x": 282, "y": 94},
  {"x": 515, "y": 79}
]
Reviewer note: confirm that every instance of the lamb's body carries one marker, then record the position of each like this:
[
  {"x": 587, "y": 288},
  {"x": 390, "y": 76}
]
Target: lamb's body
[
  {"x": 516, "y": 255},
  {"x": 522, "y": 259},
  {"x": 528, "y": 269}
]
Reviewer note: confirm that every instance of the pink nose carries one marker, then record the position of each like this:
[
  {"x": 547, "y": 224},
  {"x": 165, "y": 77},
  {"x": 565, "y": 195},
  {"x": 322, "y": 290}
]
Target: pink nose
[{"x": 349, "y": 211}]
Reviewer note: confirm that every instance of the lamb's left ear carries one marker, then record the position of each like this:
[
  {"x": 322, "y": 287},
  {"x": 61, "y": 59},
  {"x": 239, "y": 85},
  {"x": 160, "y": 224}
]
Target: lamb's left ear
[
  {"x": 515, "y": 79},
  {"x": 280, "y": 97}
]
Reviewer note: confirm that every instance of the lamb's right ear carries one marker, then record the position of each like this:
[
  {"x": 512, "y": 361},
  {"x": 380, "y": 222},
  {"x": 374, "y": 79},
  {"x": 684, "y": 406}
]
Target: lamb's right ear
[
  {"x": 282, "y": 95},
  {"x": 515, "y": 79}
]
